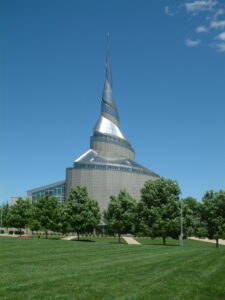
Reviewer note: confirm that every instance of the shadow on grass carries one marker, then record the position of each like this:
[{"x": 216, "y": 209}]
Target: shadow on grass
[
  {"x": 167, "y": 245},
  {"x": 86, "y": 241},
  {"x": 117, "y": 243}
]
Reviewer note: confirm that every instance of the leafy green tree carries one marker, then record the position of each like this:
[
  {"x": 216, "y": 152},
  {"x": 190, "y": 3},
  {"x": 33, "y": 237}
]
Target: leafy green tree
[
  {"x": 83, "y": 213},
  {"x": 5, "y": 215},
  {"x": 34, "y": 225},
  {"x": 213, "y": 215},
  {"x": 64, "y": 222},
  {"x": 19, "y": 214},
  {"x": 159, "y": 209},
  {"x": 120, "y": 217},
  {"x": 47, "y": 213},
  {"x": 191, "y": 216}
]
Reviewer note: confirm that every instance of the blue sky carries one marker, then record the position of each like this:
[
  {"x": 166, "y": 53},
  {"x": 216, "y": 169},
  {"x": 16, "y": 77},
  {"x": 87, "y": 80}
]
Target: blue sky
[{"x": 168, "y": 64}]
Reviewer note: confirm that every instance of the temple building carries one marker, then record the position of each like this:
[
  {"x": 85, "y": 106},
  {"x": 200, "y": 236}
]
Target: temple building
[{"x": 109, "y": 165}]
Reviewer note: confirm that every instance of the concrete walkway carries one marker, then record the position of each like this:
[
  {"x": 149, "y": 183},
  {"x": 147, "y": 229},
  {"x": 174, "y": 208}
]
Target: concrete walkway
[
  {"x": 69, "y": 238},
  {"x": 130, "y": 240},
  {"x": 221, "y": 242},
  {"x": 9, "y": 235}
]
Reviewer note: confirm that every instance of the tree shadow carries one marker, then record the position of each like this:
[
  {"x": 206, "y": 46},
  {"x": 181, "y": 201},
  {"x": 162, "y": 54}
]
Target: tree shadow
[
  {"x": 167, "y": 245},
  {"x": 117, "y": 243},
  {"x": 85, "y": 241}
]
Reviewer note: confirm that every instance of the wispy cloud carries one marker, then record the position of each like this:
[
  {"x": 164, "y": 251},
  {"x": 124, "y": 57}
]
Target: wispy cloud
[
  {"x": 201, "y": 29},
  {"x": 212, "y": 18},
  {"x": 192, "y": 43},
  {"x": 220, "y": 47},
  {"x": 168, "y": 11},
  {"x": 221, "y": 36},
  {"x": 218, "y": 13},
  {"x": 218, "y": 24},
  {"x": 200, "y": 5}
]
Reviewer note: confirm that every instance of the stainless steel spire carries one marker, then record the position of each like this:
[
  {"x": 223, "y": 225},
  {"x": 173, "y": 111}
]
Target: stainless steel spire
[{"x": 108, "y": 122}]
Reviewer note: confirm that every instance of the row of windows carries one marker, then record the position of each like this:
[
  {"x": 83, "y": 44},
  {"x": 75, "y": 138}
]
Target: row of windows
[
  {"x": 60, "y": 199},
  {"x": 98, "y": 134},
  {"x": 110, "y": 167},
  {"x": 57, "y": 191},
  {"x": 109, "y": 139}
]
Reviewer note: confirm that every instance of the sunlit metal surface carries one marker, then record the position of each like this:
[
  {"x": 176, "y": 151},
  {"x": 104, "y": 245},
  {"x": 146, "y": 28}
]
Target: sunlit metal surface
[
  {"x": 100, "y": 137},
  {"x": 104, "y": 125},
  {"x": 109, "y": 110},
  {"x": 91, "y": 156}
]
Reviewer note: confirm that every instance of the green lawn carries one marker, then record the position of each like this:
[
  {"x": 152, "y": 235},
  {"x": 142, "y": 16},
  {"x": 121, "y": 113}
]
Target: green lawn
[{"x": 102, "y": 269}]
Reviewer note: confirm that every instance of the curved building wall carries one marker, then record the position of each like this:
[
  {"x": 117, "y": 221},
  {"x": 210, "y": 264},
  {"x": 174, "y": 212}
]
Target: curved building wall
[
  {"x": 103, "y": 183},
  {"x": 111, "y": 151}
]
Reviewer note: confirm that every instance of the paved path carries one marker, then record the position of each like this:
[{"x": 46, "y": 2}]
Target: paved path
[
  {"x": 221, "y": 242},
  {"x": 10, "y": 235},
  {"x": 69, "y": 238},
  {"x": 130, "y": 240}
]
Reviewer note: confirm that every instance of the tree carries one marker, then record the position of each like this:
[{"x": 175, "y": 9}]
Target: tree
[
  {"x": 191, "y": 216},
  {"x": 159, "y": 208},
  {"x": 64, "y": 223},
  {"x": 5, "y": 215},
  {"x": 213, "y": 215},
  {"x": 46, "y": 212},
  {"x": 34, "y": 225},
  {"x": 19, "y": 214},
  {"x": 83, "y": 213},
  {"x": 121, "y": 214}
]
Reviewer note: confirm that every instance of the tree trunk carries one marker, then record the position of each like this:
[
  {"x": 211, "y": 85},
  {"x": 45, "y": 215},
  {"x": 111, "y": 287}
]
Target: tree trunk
[
  {"x": 78, "y": 236},
  {"x": 46, "y": 234},
  {"x": 164, "y": 240},
  {"x": 20, "y": 232},
  {"x": 217, "y": 243},
  {"x": 119, "y": 235}
]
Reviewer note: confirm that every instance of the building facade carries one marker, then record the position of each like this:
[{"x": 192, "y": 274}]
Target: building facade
[
  {"x": 109, "y": 165},
  {"x": 56, "y": 189}
]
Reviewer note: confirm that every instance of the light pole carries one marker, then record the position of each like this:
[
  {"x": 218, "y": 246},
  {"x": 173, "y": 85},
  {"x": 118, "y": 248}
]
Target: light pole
[{"x": 181, "y": 223}]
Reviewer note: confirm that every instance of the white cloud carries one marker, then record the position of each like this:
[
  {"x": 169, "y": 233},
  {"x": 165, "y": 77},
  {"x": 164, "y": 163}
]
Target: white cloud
[
  {"x": 200, "y": 5},
  {"x": 221, "y": 36},
  {"x": 168, "y": 11},
  {"x": 218, "y": 24},
  {"x": 218, "y": 13},
  {"x": 221, "y": 47},
  {"x": 201, "y": 29},
  {"x": 192, "y": 43}
]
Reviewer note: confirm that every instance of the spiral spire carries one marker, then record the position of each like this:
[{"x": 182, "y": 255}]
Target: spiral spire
[{"x": 108, "y": 122}]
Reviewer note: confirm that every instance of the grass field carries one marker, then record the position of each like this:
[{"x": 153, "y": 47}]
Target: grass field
[{"x": 102, "y": 269}]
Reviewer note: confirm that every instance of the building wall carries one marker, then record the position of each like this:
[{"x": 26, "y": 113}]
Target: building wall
[
  {"x": 13, "y": 200},
  {"x": 101, "y": 184},
  {"x": 112, "y": 151}
]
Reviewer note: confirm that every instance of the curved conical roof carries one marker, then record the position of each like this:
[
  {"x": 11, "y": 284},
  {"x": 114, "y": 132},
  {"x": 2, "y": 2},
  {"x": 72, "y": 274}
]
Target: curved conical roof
[{"x": 108, "y": 122}]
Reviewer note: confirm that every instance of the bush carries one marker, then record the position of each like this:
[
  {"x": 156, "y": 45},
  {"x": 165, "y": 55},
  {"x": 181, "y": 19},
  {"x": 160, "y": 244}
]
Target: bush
[
  {"x": 2, "y": 231},
  {"x": 16, "y": 232}
]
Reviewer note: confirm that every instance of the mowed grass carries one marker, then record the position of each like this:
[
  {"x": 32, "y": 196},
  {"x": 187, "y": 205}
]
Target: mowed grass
[{"x": 100, "y": 268}]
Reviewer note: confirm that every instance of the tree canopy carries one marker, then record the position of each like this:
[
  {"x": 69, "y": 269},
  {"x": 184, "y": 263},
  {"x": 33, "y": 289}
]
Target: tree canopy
[
  {"x": 46, "y": 212},
  {"x": 159, "y": 209},
  {"x": 19, "y": 214},
  {"x": 83, "y": 213},
  {"x": 213, "y": 215},
  {"x": 120, "y": 216},
  {"x": 191, "y": 216}
]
